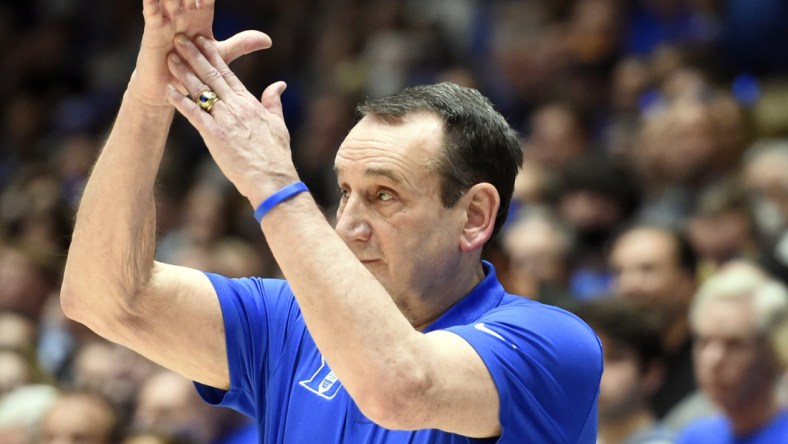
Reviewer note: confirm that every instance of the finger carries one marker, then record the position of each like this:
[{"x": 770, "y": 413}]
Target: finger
[
  {"x": 200, "y": 119},
  {"x": 207, "y": 73},
  {"x": 272, "y": 98},
  {"x": 243, "y": 43},
  {"x": 208, "y": 49},
  {"x": 186, "y": 81},
  {"x": 151, "y": 11},
  {"x": 170, "y": 5}
]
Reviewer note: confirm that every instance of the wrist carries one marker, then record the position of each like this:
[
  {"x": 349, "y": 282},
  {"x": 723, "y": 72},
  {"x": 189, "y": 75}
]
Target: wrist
[
  {"x": 283, "y": 194},
  {"x": 136, "y": 91}
]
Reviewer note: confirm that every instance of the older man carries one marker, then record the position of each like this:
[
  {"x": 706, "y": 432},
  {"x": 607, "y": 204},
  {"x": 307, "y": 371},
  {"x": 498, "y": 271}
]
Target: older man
[
  {"x": 734, "y": 318},
  {"x": 389, "y": 327}
]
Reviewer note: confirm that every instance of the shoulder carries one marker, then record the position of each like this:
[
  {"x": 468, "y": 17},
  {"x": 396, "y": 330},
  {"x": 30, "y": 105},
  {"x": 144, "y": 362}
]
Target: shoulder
[
  {"x": 537, "y": 320},
  {"x": 546, "y": 364}
]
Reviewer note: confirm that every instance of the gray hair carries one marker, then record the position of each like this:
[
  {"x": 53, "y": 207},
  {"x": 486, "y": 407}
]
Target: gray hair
[{"x": 741, "y": 280}]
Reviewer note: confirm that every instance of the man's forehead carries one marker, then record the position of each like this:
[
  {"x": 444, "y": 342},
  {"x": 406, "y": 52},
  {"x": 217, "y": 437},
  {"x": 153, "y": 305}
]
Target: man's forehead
[
  {"x": 648, "y": 242},
  {"x": 728, "y": 316},
  {"x": 384, "y": 146},
  {"x": 389, "y": 173}
]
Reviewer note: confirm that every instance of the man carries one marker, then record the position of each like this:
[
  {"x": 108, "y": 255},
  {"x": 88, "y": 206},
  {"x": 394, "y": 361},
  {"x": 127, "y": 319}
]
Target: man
[
  {"x": 538, "y": 248},
  {"x": 634, "y": 369},
  {"x": 389, "y": 327},
  {"x": 656, "y": 267},
  {"x": 767, "y": 188},
  {"x": 167, "y": 404},
  {"x": 80, "y": 417},
  {"x": 734, "y": 318}
]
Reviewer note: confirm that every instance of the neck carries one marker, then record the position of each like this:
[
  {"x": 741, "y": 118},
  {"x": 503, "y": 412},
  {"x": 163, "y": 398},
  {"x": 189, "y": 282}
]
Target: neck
[
  {"x": 675, "y": 334},
  {"x": 422, "y": 310},
  {"x": 616, "y": 430},
  {"x": 754, "y": 414}
]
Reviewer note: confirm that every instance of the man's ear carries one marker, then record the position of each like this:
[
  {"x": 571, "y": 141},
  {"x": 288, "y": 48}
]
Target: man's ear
[{"x": 481, "y": 203}]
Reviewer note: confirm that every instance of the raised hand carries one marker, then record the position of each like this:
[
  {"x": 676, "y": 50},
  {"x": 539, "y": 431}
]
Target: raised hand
[
  {"x": 164, "y": 19},
  {"x": 247, "y": 138}
]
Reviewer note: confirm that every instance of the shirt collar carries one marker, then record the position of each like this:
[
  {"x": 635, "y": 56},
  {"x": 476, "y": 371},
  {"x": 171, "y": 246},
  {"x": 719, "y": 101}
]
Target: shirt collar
[{"x": 486, "y": 295}]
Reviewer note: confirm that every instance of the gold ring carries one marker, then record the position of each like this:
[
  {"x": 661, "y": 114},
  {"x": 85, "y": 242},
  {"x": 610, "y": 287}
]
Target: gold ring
[{"x": 206, "y": 100}]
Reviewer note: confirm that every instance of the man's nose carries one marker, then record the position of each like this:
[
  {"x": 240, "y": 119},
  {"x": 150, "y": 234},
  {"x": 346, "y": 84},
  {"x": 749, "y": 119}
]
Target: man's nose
[
  {"x": 352, "y": 222},
  {"x": 627, "y": 283}
]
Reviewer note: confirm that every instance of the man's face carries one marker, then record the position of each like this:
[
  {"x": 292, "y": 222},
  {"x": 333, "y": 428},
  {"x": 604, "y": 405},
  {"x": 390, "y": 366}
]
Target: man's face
[
  {"x": 623, "y": 388},
  {"x": 535, "y": 250},
  {"x": 732, "y": 362},
  {"x": 391, "y": 215},
  {"x": 77, "y": 420},
  {"x": 646, "y": 269}
]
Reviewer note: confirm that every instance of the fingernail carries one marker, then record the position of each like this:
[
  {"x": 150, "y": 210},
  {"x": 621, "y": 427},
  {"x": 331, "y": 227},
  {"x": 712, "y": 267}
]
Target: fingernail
[
  {"x": 175, "y": 59},
  {"x": 172, "y": 89},
  {"x": 180, "y": 38},
  {"x": 202, "y": 41}
]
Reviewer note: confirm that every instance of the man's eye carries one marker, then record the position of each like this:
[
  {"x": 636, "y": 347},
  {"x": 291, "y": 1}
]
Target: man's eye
[
  {"x": 344, "y": 193},
  {"x": 384, "y": 196}
]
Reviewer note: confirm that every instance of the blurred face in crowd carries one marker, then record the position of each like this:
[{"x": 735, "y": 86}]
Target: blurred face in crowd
[
  {"x": 734, "y": 364},
  {"x": 625, "y": 384},
  {"x": 169, "y": 404},
  {"x": 15, "y": 371},
  {"x": 646, "y": 266},
  {"x": 78, "y": 419},
  {"x": 720, "y": 237},
  {"x": 557, "y": 137},
  {"x": 536, "y": 254},
  {"x": 767, "y": 184}
]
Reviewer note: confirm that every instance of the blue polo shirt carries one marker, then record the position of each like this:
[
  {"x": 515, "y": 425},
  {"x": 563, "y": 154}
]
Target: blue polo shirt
[{"x": 545, "y": 362}]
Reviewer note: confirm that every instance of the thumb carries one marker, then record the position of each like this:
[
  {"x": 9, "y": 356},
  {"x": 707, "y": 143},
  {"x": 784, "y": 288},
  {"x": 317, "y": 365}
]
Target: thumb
[
  {"x": 243, "y": 43},
  {"x": 272, "y": 97}
]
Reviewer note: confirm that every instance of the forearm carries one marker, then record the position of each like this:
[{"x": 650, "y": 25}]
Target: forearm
[
  {"x": 111, "y": 253},
  {"x": 355, "y": 323}
]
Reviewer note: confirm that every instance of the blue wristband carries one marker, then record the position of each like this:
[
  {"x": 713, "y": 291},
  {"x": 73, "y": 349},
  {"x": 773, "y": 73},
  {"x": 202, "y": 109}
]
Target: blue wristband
[{"x": 277, "y": 198}]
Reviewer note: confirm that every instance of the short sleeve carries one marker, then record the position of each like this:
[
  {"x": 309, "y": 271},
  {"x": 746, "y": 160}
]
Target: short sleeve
[
  {"x": 546, "y": 364},
  {"x": 256, "y": 313}
]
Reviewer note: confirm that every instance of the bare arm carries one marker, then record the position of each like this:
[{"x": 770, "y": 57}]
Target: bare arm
[
  {"x": 433, "y": 380},
  {"x": 111, "y": 282}
]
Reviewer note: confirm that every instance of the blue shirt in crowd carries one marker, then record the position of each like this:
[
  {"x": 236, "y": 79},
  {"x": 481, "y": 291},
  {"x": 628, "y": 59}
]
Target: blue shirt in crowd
[{"x": 717, "y": 429}]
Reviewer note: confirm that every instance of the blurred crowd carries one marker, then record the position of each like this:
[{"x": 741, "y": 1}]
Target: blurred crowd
[{"x": 655, "y": 134}]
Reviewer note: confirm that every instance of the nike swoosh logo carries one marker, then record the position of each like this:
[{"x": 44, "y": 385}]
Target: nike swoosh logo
[{"x": 484, "y": 328}]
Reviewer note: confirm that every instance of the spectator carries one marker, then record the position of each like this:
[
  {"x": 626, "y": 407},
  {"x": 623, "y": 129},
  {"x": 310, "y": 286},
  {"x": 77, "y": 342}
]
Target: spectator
[
  {"x": 767, "y": 186},
  {"x": 634, "y": 371},
  {"x": 22, "y": 410},
  {"x": 80, "y": 418},
  {"x": 721, "y": 227},
  {"x": 734, "y": 318},
  {"x": 657, "y": 267},
  {"x": 596, "y": 198},
  {"x": 169, "y": 405},
  {"x": 538, "y": 248}
]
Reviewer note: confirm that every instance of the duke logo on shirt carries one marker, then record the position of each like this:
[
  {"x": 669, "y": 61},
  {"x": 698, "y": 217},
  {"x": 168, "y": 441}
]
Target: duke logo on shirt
[{"x": 323, "y": 383}]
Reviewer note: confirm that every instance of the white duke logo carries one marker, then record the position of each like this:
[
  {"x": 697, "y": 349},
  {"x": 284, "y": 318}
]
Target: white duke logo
[{"x": 323, "y": 383}]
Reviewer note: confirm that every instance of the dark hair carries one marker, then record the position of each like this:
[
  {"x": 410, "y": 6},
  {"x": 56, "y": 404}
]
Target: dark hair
[
  {"x": 627, "y": 323},
  {"x": 686, "y": 256},
  {"x": 479, "y": 144}
]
